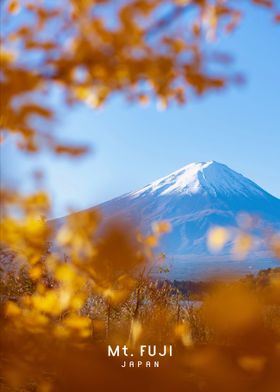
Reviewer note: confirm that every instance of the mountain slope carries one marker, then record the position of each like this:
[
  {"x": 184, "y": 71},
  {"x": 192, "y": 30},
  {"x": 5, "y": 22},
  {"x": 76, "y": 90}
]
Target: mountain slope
[{"x": 194, "y": 199}]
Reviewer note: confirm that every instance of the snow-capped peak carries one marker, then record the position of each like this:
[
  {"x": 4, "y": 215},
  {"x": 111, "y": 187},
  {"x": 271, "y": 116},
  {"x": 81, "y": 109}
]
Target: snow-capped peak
[
  {"x": 194, "y": 199},
  {"x": 211, "y": 177}
]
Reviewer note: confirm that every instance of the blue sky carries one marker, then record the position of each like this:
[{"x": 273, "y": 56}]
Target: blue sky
[{"x": 133, "y": 146}]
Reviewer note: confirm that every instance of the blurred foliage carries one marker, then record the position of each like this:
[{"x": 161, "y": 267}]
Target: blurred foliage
[
  {"x": 251, "y": 234},
  {"x": 69, "y": 288},
  {"x": 91, "y": 50}
]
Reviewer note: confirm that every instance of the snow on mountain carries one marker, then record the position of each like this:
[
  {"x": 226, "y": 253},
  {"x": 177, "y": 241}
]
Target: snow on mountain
[
  {"x": 211, "y": 177},
  {"x": 194, "y": 199}
]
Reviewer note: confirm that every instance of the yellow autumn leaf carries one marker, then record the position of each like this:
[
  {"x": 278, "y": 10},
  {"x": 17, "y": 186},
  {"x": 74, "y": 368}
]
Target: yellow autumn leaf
[
  {"x": 217, "y": 238},
  {"x": 7, "y": 57},
  {"x": 35, "y": 272},
  {"x": 161, "y": 227},
  {"x": 12, "y": 309},
  {"x": 48, "y": 302},
  {"x": 143, "y": 99},
  {"x": 13, "y": 6},
  {"x": 183, "y": 332},
  {"x": 64, "y": 236},
  {"x": 65, "y": 273},
  {"x": 151, "y": 241},
  {"x": 242, "y": 245},
  {"x": 77, "y": 322},
  {"x": 136, "y": 330}
]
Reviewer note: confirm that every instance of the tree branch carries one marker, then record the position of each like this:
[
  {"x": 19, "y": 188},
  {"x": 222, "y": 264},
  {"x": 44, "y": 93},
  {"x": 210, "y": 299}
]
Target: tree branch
[{"x": 167, "y": 20}]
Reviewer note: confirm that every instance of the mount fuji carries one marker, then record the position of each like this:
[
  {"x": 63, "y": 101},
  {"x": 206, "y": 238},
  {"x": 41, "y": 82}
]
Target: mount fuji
[{"x": 194, "y": 199}]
